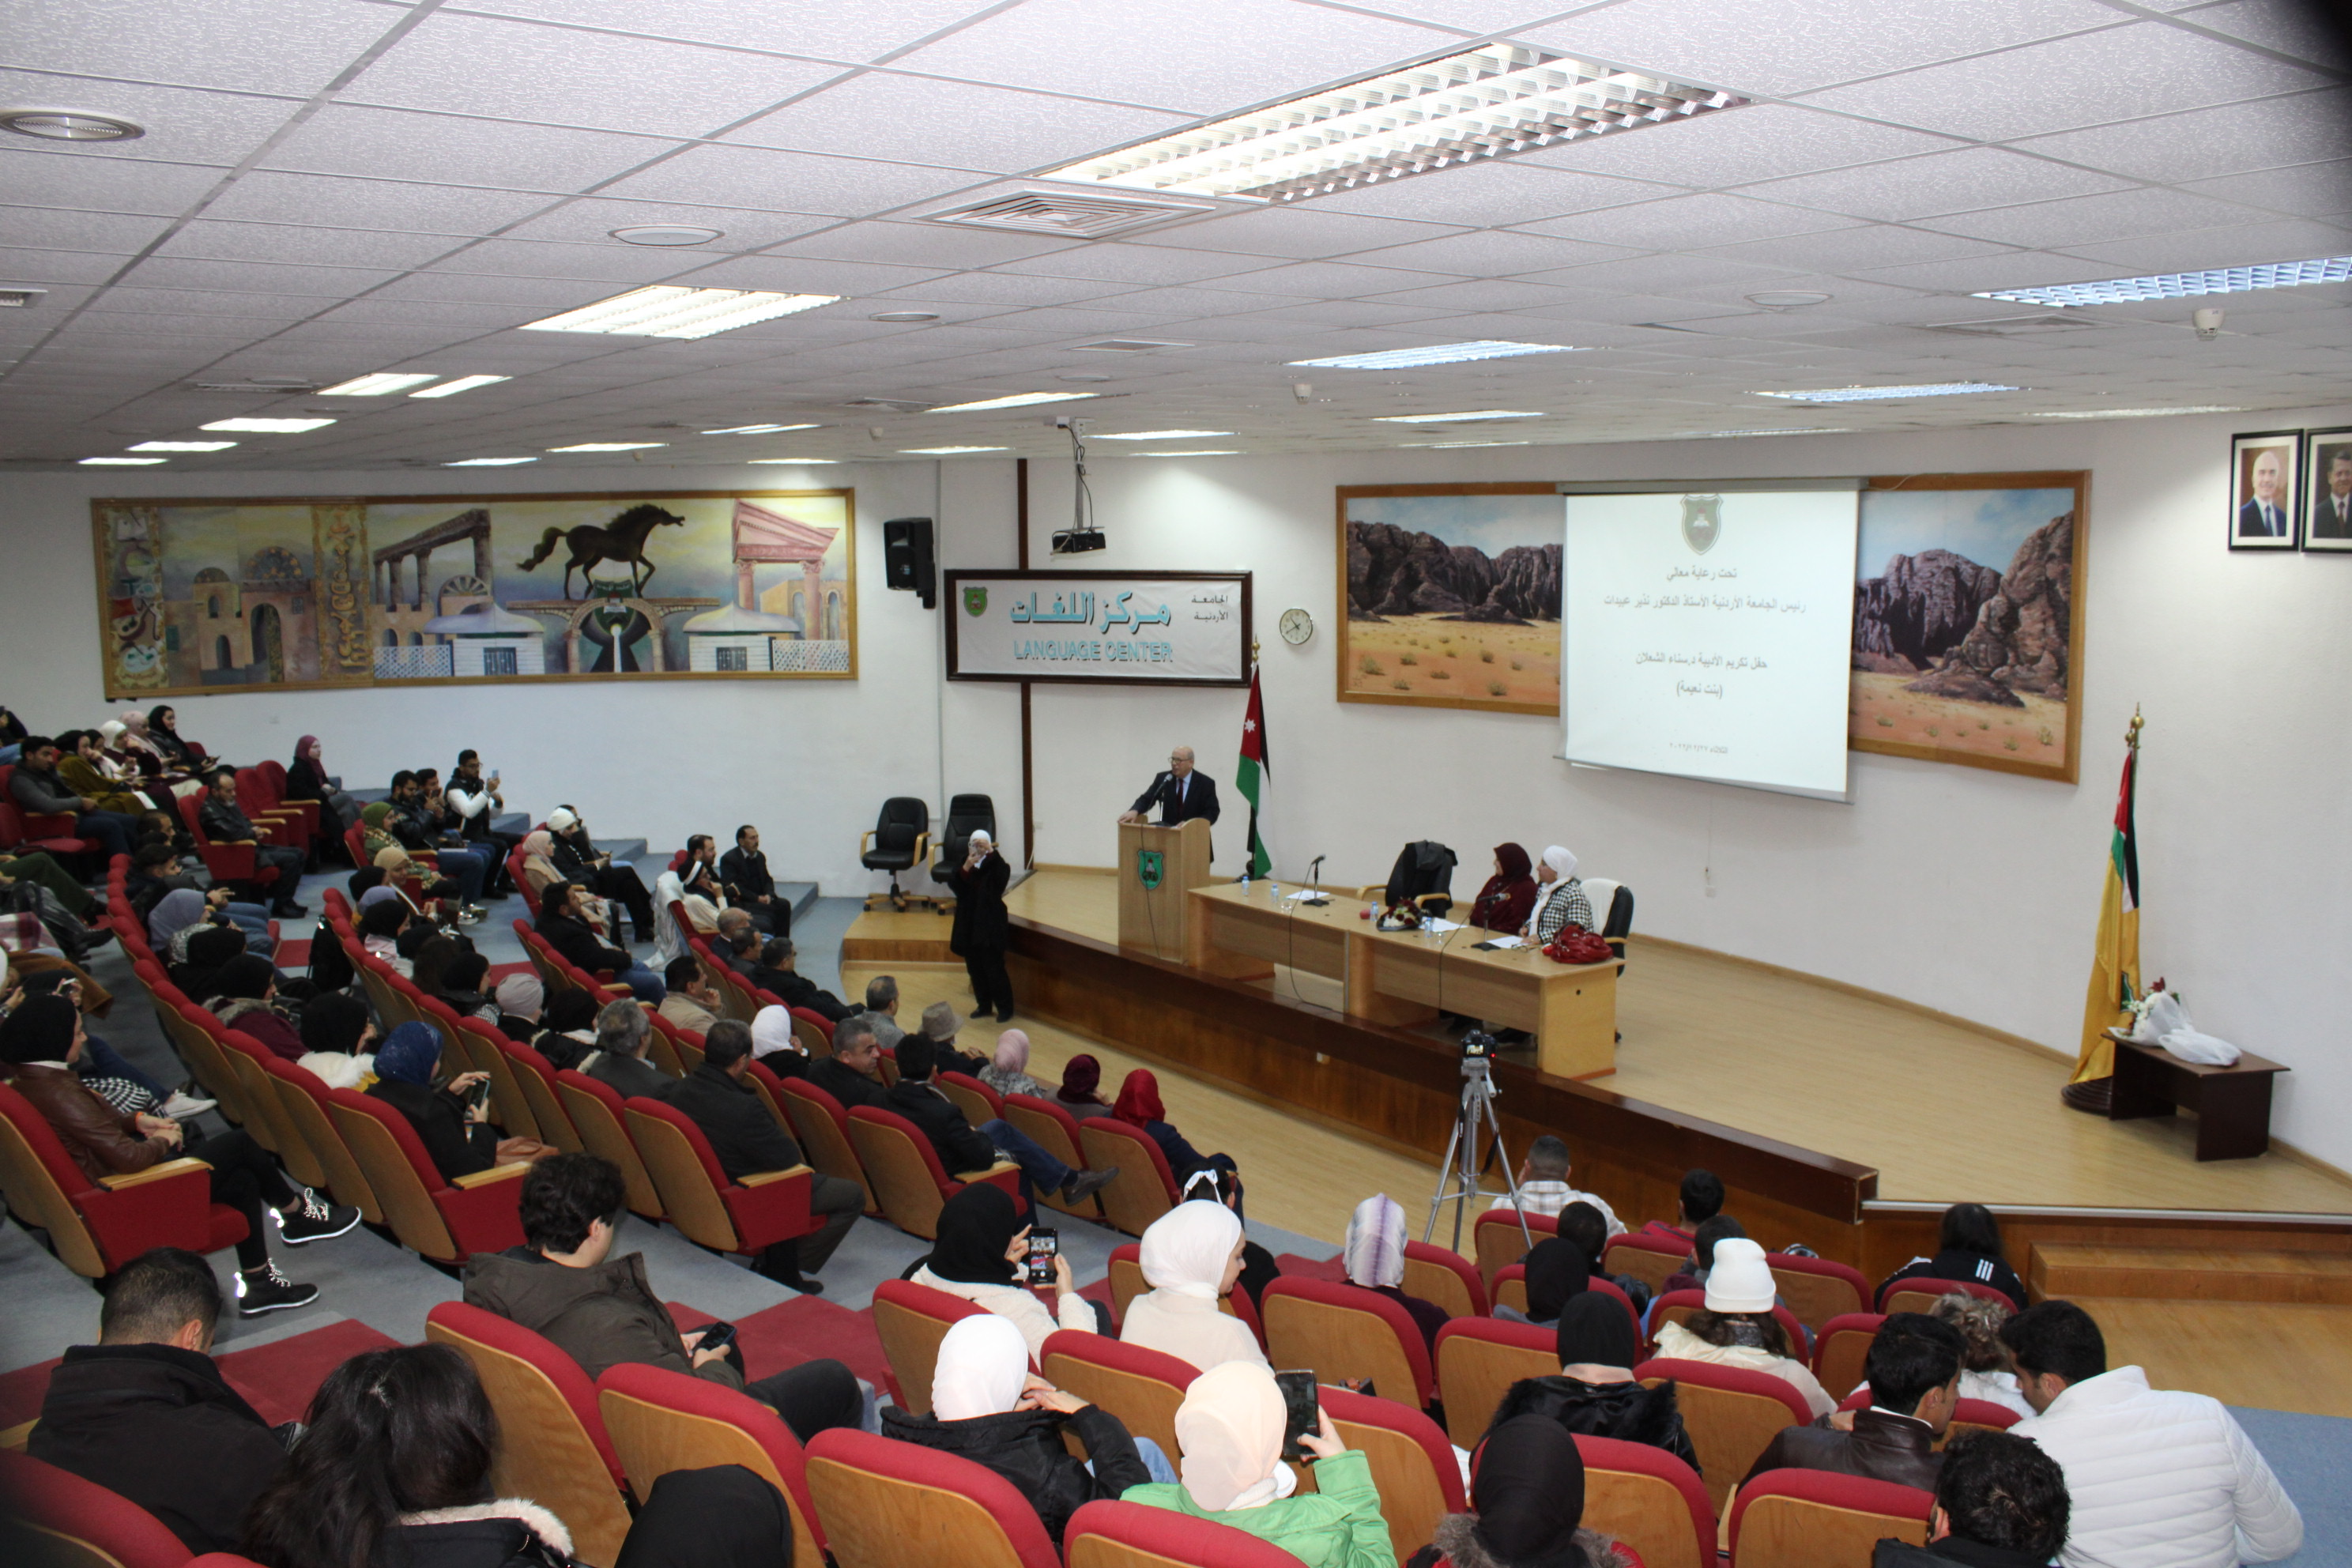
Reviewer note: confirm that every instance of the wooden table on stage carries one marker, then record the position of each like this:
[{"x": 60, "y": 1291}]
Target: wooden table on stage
[
  {"x": 2232, "y": 1103},
  {"x": 1403, "y": 977}
]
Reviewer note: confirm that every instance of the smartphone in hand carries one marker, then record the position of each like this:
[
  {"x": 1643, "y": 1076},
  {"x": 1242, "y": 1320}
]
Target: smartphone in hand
[
  {"x": 1302, "y": 1410},
  {"x": 1043, "y": 1246},
  {"x": 715, "y": 1337}
]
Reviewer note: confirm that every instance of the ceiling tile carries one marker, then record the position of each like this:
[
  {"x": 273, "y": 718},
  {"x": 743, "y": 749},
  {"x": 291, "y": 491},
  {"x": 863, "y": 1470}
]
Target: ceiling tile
[
  {"x": 2316, "y": 190},
  {"x": 1495, "y": 253},
  {"x": 1499, "y": 294},
  {"x": 1683, "y": 223},
  {"x": 458, "y": 319},
  {"x": 443, "y": 149},
  {"x": 589, "y": 220},
  {"x": 1909, "y": 188},
  {"x": 30, "y": 266},
  {"x": 261, "y": 196},
  {"x": 320, "y": 246},
  {"x": 1006, "y": 288},
  {"x": 145, "y": 299},
  {"x": 2011, "y": 269},
  {"x": 1737, "y": 147},
  {"x": 559, "y": 76},
  {"x": 1662, "y": 272},
  {"x": 92, "y": 183},
  {"x": 611, "y": 262},
  {"x": 2069, "y": 224},
  {"x": 1488, "y": 195},
  {"x": 2285, "y": 241},
  {"x": 182, "y": 126},
  {"x": 1847, "y": 249},
  {"x": 1141, "y": 264},
  {"x": 262, "y": 45},
  {"x": 55, "y": 228},
  {"x": 808, "y": 275},
  {"x": 182, "y": 272},
  {"x": 935, "y": 245},
  {"x": 823, "y": 28},
  {"x": 1307, "y": 232},
  {"x": 1335, "y": 280},
  {"x": 557, "y": 294},
  {"x": 2200, "y": 144},
  {"x": 1184, "y": 303},
  {"x": 2126, "y": 72},
  {"x": 879, "y": 115},
  {"x": 1790, "y": 48},
  {"x": 2302, "y": 31},
  {"x": 1178, "y": 55},
  {"x": 761, "y": 179}
]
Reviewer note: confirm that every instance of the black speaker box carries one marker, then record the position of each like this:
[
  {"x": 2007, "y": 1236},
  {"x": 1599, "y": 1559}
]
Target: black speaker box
[{"x": 907, "y": 561}]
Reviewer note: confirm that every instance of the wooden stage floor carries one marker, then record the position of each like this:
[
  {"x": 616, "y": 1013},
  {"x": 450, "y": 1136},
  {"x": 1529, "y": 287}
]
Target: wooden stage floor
[{"x": 1943, "y": 1111}]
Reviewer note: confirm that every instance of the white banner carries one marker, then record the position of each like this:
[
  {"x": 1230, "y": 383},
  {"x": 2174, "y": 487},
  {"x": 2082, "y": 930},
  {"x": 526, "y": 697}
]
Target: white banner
[{"x": 1173, "y": 627}]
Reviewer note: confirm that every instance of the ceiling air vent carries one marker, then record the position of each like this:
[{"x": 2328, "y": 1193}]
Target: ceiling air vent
[
  {"x": 19, "y": 298},
  {"x": 1131, "y": 345},
  {"x": 1070, "y": 215}
]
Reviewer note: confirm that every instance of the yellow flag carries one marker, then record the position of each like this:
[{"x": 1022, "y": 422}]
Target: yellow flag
[{"x": 2115, "y": 966}]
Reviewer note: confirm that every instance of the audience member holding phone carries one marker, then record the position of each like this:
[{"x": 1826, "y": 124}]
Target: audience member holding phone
[
  {"x": 982, "y": 1255},
  {"x": 448, "y": 1119}
]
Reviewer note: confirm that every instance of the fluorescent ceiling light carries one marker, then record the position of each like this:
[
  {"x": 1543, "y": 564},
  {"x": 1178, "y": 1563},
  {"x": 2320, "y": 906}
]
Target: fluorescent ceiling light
[
  {"x": 1779, "y": 430},
  {"x": 1441, "y": 445},
  {"x": 1227, "y": 452},
  {"x": 463, "y": 383},
  {"x": 1457, "y": 418},
  {"x": 1877, "y": 393},
  {"x": 668, "y": 310},
  {"x": 1482, "y": 103},
  {"x": 948, "y": 451},
  {"x": 489, "y": 462},
  {"x": 181, "y": 447},
  {"x": 121, "y": 462},
  {"x": 1437, "y": 353},
  {"x": 2183, "y": 285},
  {"x": 610, "y": 447},
  {"x": 269, "y": 426},
  {"x": 803, "y": 461},
  {"x": 1017, "y": 400},
  {"x": 2137, "y": 413},
  {"x": 1162, "y": 435},
  {"x": 381, "y": 384},
  {"x": 757, "y": 429}
]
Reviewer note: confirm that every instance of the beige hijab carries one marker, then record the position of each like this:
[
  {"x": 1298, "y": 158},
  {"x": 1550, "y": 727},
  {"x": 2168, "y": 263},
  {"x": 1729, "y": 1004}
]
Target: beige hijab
[{"x": 1230, "y": 1429}]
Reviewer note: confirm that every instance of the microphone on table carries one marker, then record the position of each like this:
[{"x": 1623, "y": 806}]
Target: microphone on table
[{"x": 1314, "y": 881}]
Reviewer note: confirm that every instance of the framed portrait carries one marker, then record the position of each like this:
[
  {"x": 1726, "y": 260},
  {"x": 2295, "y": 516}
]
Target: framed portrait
[
  {"x": 2265, "y": 490},
  {"x": 1967, "y": 620},
  {"x": 2327, "y": 475},
  {"x": 1450, "y": 595}
]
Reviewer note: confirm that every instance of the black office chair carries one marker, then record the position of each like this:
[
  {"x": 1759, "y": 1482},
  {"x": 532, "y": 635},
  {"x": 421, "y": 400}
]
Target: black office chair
[
  {"x": 1612, "y": 906},
  {"x": 1423, "y": 877},
  {"x": 900, "y": 840},
  {"x": 967, "y": 814}
]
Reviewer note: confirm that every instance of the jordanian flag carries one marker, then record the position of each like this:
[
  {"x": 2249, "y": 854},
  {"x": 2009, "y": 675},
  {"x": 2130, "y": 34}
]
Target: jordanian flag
[
  {"x": 1252, "y": 770},
  {"x": 2115, "y": 966}
]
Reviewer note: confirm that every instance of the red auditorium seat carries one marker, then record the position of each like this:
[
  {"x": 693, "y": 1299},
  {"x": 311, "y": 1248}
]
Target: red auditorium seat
[
  {"x": 1496, "y": 1241},
  {"x": 896, "y": 1505},
  {"x": 1645, "y": 1256},
  {"x": 1056, "y": 1131},
  {"x": 904, "y": 1173},
  {"x": 97, "y": 1226},
  {"x": 1511, "y": 1290},
  {"x": 1731, "y": 1414},
  {"x": 596, "y": 1114},
  {"x": 978, "y": 1102},
  {"x": 822, "y": 1129},
  {"x": 1443, "y": 1276},
  {"x": 1346, "y": 1332},
  {"x": 86, "y": 1525},
  {"x": 1145, "y": 1188},
  {"x": 813, "y": 1030},
  {"x": 536, "y": 1076},
  {"x": 1134, "y": 1535},
  {"x": 741, "y": 1217},
  {"x": 1478, "y": 1359},
  {"x": 444, "y": 1222},
  {"x": 302, "y": 1101},
  {"x": 1141, "y": 1387},
  {"x": 1412, "y": 1465},
  {"x": 1818, "y": 1289},
  {"x": 1968, "y": 1416},
  {"x": 1676, "y": 1306},
  {"x": 1813, "y": 1519},
  {"x": 227, "y": 862},
  {"x": 911, "y": 1320},
  {"x": 1841, "y": 1347},
  {"x": 662, "y": 1421},
  {"x": 1649, "y": 1499},
  {"x": 1920, "y": 1295}
]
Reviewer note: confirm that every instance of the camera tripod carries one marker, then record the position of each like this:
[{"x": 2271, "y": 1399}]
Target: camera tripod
[{"x": 1458, "y": 1177}]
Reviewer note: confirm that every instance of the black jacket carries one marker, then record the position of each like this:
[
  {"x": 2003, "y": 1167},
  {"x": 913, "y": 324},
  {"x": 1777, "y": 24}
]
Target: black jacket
[
  {"x": 1956, "y": 1264},
  {"x": 1625, "y": 1411},
  {"x": 578, "y": 946},
  {"x": 980, "y": 922},
  {"x": 627, "y": 1075},
  {"x": 846, "y": 1084},
  {"x": 457, "y": 1147},
  {"x": 1882, "y": 1447},
  {"x": 942, "y": 1120},
  {"x": 411, "y": 825},
  {"x": 1893, "y": 1553},
  {"x": 1025, "y": 1447},
  {"x": 1199, "y": 798},
  {"x": 502, "y": 1539},
  {"x": 224, "y": 824},
  {"x": 159, "y": 1425},
  {"x": 745, "y": 877},
  {"x": 743, "y": 1136},
  {"x": 797, "y": 990}
]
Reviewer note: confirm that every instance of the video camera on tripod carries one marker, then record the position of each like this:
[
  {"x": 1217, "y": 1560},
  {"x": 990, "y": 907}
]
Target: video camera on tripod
[{"x": 1459, "y": 1178}]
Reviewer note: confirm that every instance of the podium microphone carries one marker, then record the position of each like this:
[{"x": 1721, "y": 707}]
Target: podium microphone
[{"x": 1315, "y": 883}]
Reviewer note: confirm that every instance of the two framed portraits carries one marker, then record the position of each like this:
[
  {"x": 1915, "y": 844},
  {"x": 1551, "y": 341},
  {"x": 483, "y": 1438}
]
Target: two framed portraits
[{"x": 2291, "y": 490}]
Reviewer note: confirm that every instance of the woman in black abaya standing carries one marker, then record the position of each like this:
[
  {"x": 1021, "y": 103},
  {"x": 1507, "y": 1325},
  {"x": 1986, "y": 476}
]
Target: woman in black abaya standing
[{"x": 981, "y": 926}]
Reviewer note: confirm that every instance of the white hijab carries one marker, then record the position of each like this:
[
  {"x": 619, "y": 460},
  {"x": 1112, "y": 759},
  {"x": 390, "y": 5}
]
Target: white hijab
[
  {"x": 1230, "y": 1430},
  {"x": 1185, "y": 1250},
  {"x": 669, "y": 940},
  {"x": 771, "y": 1032},
  {"x": 1562, "y": 863},
  {"x": 1375, "y": 1251},
  {"x": 982, "y": 1364},
  {"x": 981, "y": 841}
]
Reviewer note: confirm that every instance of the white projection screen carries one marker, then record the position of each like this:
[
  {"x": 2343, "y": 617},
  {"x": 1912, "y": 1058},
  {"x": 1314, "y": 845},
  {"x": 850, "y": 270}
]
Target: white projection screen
[{"x": 1709, "y": 633}]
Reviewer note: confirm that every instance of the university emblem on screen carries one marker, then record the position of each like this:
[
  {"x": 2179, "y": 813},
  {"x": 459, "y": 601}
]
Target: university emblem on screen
[
  {"x": 975, "y": 602},
  {"x": 1702, "y": 522},
  {"x": 1148, "y": 865}
]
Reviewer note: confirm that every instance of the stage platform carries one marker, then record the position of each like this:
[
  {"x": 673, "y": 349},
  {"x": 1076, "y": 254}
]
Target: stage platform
[{"x": 1853, "y": 1117}]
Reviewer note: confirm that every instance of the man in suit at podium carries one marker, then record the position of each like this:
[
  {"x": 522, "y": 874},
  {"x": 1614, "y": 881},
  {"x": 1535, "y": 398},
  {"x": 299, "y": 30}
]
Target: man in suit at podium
[{"x": 1180, "y": 792}]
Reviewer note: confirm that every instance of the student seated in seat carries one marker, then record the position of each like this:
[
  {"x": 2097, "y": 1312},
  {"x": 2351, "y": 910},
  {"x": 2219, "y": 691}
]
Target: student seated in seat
[
  {"x": 619, "y": 1062},
  {"x": 963, "y": 1147},
  {"x": 602, "y": 1311},
  {"x": 1914, "y": 1369},
  {"x": 982, "y": 1254},
  {"x": 1526, "y": 1507},
  {"x": 146, "y": 1413},
  {"x": 457, "y": 1138},
  {"x": 693, "y": 1003},
  {"x": 1737, "y": 1327},
  {"x": 1586, "y": 1228},
  {"x": 1701, "y": 1200},
  {"x": 1192, "y": 1257},
  {"x": 1595, "y": 1393},
  {"x": 776, "y": 974},
  {"x": 1968, "y": 1247},
  {"x": 1544, "y": 1186},
  {"x": 521, "y": 999},
  {"x": 850, "y": 1074},
  {"x": 2001, "y": 1503},
  {"x": 1375, "y": 1261},
  {"x": 564, "y": 926}
]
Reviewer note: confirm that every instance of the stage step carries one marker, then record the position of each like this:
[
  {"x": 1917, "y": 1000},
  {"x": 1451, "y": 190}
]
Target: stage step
[{"x": 2190, "y": 1274}]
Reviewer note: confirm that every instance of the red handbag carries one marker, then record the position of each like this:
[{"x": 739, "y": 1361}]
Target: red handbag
[{"x": 1574, "y": 944}]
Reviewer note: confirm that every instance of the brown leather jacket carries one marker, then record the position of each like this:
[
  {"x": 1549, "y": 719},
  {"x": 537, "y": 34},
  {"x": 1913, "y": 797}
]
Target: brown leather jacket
[
  {"x": 102, "y": 1141},
  {"x": 1882, "y": 1447}
]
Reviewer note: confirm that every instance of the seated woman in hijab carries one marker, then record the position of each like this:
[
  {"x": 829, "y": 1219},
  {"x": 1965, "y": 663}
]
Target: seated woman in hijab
[
  {"x": 521, "y": 999},
  {"x": 1375, "y": 1261},
  {"x": 577, "y": 856},
  {"x": 1557, "y": 1272},
  {"x": 131, "y": 742},
  {"x": 1192, "y": 1259},
  {"x": 1526, "y": 1507},
  {"x": 455, "y": 1138},
  {"x": 539, "y": 871},
  {"x": 571, "y": 1031},
  {"x": 244, "y": 996},
  {"x": 1559, "y": 899},
  {"x": 163, "y": 734},
  {"x": 336, "y": 1034},
  {"x": 462, "y": 979},
  {"x": 1081, "y": 1079},
  {"x": 773, "y": 1046},
  {"x": 1504, "y": 903},
  {"x": 1214, "y": 1185},
  {"x": 1139, "y": 1106},
  {"x": 1737, "y": 1328},
  {"x": 308, "y": 780},
  {"x": 1594, "y": 1392},
  {"x": 208, "y": 948},
  {"x": 1008, "y": 1071},
  {"x": 383, "y": 914},
  {"x": 986, "y": 1407},
  {"x": 182, "y": 912},
  {"x": 1230, "y": 1431},
  {"x": 981, "y": 1254}
]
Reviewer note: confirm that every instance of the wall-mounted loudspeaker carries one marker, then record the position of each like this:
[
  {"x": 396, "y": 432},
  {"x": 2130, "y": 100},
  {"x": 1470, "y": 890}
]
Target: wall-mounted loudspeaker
[{"x": 907, "y": 561}]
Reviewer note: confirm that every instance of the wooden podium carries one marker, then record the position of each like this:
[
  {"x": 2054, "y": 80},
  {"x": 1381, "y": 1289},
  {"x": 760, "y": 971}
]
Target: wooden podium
[{"x": 1157, "y": 866}]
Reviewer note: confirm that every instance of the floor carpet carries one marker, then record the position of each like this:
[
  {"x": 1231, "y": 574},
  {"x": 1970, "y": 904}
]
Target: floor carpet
[{"x": 277, "y": 1379}]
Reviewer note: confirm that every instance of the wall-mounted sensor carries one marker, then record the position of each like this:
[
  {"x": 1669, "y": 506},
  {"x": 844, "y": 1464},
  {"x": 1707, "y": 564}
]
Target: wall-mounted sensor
[{"x": 2208, "y": 323}]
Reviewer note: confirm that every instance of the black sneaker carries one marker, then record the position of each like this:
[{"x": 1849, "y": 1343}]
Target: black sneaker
[
  {"x": 315, "y": 1220},
  {"x": 981, "y": 1011},
  {"x": 1084, "y": 1185},
  {"x": 264, "y": 1289},
  {"x": 288, "y": 910}
]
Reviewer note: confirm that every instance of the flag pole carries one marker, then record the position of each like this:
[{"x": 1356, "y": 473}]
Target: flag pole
[{"x": 2114, "y": 962}]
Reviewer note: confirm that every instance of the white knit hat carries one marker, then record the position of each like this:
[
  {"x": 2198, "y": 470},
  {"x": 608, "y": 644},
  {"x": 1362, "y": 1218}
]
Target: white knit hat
[{"x": 1740, "y": 1280}]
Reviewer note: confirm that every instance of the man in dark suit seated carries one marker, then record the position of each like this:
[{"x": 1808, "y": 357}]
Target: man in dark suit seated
[
  {"x": 775, "y": 974},
  {"x": 1914, "y": 1373},
  {"x": 851, "y": 1075},
  {"x": 963, "y": 1147},
  {"x": 619, "y": 1059},
  {"x": 751, "y": 887},
  {"x": 1180, "y": 792},
  {"x": 224, "y": 823},
  {"x": 746, "y": 1141}
]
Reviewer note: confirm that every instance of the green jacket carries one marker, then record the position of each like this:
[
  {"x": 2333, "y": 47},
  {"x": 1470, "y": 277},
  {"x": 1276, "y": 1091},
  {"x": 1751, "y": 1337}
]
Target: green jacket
[{"x": 1338, "y": 1525}]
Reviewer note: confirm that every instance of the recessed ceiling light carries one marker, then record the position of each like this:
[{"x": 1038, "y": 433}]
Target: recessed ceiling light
[
  {"x": 757, "y": 429},
  {"x": 1227, "y": 452},
  {"x": 21, "y": 299},
  {"x": 1776, "y": 299},
  {"x": 70, "y": 125},
  {"x": 1482, "y": 103},
  {"x": 489, "y": 462},
  {"x": 381, "y": 384},
  {"x": 905, "y": 316},
  {"x": 948, "y": 451},
  {"x": 1017, "y": 400},
  {"x": 2137, "y": 413},
  {"x": 1783, "y": 430},
  {"x": 268, "y": 426},
  {"x": 1880, "y": 394},
  {"x": 803, "y": 461},
  {"x": 121, "y": 462},
  {"x": 181, "y": 446},
  {"x": 1457, "y": 418},
  {"x": 2183, "y": 285},
  {"x": 1161, "y": 434},
  {"x": 1442, "y": 446},
  {"x": 667, "y": 234},
  {"x": 463, "y": 383},
  {"x": 667, "y": 310},
  {"x": 610, "y": 447},
  {"x": 1083, "y": 376},
  {"x": 1437, "y": 353}
]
